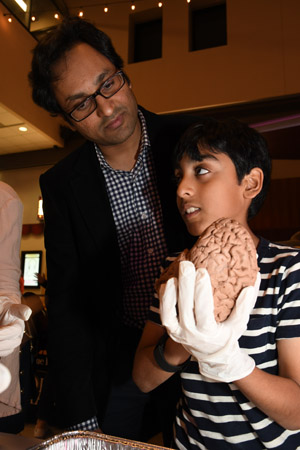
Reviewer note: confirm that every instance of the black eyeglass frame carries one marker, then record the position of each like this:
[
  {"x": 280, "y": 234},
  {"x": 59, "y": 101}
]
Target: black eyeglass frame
[{"x": 98, "y": 92}]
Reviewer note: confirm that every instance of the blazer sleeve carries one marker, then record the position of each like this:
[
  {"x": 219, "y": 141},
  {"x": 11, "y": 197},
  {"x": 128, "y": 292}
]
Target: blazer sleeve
[
  {"x": 84, "y": 284},
  {"x": 70, "y": 343}
]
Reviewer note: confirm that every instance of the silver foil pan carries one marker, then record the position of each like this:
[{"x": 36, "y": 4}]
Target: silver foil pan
[{"x": 89, "y": 440}]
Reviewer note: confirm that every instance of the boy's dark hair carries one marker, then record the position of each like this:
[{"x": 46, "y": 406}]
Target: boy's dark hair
[
  {"x": 53, "y": 46},
  {"x": 245, "y": 147}
]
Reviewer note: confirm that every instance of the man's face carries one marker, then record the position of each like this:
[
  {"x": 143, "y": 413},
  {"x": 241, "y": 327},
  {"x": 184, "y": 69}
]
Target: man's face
[
  {"x": 80, "y": 73},
  {"x": 208, "y": 190}
]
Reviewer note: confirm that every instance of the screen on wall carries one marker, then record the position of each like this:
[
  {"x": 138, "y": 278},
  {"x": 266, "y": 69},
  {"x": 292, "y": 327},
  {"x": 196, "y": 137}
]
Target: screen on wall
[{"x": 31, "y": 265}]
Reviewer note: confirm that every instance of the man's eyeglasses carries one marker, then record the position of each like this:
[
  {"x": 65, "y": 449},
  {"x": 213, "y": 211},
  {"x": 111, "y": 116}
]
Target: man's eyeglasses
[{"x": 109, "y": 88}]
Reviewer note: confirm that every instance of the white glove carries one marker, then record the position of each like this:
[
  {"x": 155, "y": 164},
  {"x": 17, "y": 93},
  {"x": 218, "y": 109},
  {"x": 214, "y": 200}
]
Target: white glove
[
  {"x": 12, "y": 316},
  {"x": 5, "y": 378},
  {"x": 214, "y": 345}
]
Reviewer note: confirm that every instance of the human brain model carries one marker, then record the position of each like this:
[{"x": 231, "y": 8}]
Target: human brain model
[{"x": 227, "y": 251}]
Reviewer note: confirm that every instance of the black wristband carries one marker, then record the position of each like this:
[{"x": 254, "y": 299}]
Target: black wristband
[{"x": 159, "y": 356}]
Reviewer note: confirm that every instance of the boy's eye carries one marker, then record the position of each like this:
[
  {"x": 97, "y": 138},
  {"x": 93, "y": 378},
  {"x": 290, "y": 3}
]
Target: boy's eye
[{"x": 201, "y": 171}]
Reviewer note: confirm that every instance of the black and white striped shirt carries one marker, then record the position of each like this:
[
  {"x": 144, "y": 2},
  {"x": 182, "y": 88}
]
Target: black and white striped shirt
[{"x": 217, "y": 416}]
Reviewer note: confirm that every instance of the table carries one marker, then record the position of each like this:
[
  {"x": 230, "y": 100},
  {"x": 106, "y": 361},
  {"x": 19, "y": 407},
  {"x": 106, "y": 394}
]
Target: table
[{"x": 15, "y": 442}]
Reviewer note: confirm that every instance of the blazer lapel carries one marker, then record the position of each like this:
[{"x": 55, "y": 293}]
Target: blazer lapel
[{"x": 88, "y": 186}]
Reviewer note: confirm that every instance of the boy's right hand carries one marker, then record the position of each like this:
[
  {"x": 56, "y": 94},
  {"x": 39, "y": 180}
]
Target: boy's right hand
[{"x": 214, "y": 345}]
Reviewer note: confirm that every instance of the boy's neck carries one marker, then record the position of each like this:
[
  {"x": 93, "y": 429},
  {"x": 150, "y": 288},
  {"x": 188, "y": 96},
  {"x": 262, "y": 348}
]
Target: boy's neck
[{"x": 254, "y": 237}]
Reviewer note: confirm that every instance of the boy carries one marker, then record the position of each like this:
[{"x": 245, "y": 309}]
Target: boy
[{"x": 240, "y": 380}]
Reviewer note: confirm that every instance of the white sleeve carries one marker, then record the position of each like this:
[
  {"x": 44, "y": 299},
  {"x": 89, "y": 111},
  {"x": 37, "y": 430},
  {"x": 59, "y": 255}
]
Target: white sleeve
[{"x": 11, "y": 213}]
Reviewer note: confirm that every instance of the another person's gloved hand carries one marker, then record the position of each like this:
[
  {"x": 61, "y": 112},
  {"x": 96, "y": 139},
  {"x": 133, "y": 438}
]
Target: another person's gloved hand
[
  {"x": 12, "y": 316},
  {"x": 5, "y": 378},
  {"x": 214, "y": 345}
]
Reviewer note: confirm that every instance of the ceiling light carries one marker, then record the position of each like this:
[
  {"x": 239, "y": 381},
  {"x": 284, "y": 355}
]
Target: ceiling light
[
  {"x": 22, "y": 4},
  {"x": 132, "y": 6},
  {"x": 9, "y": 17},
  {"x": 22, "y": 128},
  {"x": 105, "y": 9},
  {"x": 160, "y": 4},
  {"x": 33, "y": 18},
  {"x": 80, "y": 14},
  {"x": 40, "y": 213},
  {"x": 56, "y": 16}
]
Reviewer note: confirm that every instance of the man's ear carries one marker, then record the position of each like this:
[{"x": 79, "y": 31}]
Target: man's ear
[
  {"x": 72, "y": 127},
  {"x": 67, "y": 122},
  {"x": 253, "y": 182}
]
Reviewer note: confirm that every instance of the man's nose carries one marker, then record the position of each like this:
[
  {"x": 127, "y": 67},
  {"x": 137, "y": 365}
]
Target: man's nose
[{"x": 104, "y": 106}]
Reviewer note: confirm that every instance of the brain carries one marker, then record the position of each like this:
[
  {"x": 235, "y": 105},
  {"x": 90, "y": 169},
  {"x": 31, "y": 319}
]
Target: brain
[{"x": 227, "y": 251}]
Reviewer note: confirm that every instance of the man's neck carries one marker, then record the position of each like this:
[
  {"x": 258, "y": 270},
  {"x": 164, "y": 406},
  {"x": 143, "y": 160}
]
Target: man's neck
[{"x": 123, "y": 156}]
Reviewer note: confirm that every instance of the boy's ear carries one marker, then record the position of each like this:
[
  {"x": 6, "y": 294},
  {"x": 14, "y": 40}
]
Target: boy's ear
[{"x": 253, "y": 182}]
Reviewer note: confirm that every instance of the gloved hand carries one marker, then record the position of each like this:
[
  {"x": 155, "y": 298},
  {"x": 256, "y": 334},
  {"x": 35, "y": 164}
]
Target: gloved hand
[
  {"x": 214, "y": 345},
  {"x": 12, "y": 316},
  {"x": 5, "y": 378}
]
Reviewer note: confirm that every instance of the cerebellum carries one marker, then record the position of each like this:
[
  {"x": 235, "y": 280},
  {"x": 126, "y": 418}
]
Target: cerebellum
[{"x": 227, "y": 251}]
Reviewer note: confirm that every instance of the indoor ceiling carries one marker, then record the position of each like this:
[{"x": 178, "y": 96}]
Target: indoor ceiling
[
  {"x": 267, "y": 115},
  {"x": 14, "y": 140}
]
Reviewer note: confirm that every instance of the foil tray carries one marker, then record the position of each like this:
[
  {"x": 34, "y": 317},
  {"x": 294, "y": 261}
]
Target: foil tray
[{"x": 89, "y": 440}]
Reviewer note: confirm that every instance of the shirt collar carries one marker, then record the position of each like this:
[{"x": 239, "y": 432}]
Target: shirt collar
[{"x": 144, "y": 142}]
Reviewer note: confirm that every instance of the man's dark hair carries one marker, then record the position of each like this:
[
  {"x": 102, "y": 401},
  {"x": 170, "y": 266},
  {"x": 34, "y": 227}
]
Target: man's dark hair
[
  {"x": 244, "y": 145},
  {"x": 53, "y": 46}
]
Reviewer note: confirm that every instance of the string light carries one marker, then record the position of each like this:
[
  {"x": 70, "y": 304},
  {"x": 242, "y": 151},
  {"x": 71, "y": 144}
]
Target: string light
[
  {"x": 105, "y": 8},
  {"x": 81, "y": 12}
]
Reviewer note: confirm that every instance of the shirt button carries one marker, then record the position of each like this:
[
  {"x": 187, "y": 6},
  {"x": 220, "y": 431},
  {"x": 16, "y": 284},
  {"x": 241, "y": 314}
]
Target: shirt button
[{"x": 150, "y": 251}]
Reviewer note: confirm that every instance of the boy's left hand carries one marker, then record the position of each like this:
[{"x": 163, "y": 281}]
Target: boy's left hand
[{"x": 214, "y": 345}]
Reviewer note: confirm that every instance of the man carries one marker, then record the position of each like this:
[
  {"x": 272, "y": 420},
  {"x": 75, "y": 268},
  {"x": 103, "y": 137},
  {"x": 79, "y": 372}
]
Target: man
[{"x": 109, "y": 224}]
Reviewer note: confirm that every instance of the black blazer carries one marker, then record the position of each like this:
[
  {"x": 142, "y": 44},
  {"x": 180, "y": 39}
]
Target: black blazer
[{"x": 83, "y": 267}]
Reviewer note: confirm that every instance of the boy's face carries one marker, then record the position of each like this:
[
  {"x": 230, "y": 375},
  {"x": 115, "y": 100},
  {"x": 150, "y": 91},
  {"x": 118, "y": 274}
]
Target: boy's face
[{"x": 208, "y": 190}]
